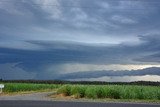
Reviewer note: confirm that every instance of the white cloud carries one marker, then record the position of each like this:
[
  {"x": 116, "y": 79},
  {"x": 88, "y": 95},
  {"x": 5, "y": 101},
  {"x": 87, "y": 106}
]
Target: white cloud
[{"x": 76, "y": 67}]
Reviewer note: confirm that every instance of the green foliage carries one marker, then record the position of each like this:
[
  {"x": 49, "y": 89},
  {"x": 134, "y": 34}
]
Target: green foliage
[
  {"x": 19, "y": 87},
  {"x": 158, "y": 95},
  {"x": 101, "y": 92},
  {"x": 91, "y": 92},
  {"x": 66, "y": 90},
  {"x": 112, "y": 91},
  {"x": 78, "y": 91}
]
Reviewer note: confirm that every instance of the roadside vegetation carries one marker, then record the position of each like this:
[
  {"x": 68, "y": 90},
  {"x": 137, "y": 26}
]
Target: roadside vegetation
[
  {"x": 129, "y": 92},
  {"x": 111, "y": 91},
  {"x": 22, "y": 87}
]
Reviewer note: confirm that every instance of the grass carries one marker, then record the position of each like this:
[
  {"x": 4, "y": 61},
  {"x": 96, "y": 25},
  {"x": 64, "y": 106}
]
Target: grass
[
  {"x": 111, "y": 91},
  {"x": 23, "y": 87},
  {"x": 114, "y": 92}
]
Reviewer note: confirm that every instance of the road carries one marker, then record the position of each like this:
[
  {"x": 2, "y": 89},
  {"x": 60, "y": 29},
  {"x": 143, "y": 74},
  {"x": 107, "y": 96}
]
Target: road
[
  {"x": 12, "y": 103},
  {"x": 41, "y": 100},
  {"x": 42, "y": 96}
]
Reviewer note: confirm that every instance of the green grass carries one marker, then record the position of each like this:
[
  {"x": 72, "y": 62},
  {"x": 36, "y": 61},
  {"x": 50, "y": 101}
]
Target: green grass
[
  {"x": 111, "y": 91},
  {"x": 22, "y": 87},
  {"x": 122, "y": 92}
]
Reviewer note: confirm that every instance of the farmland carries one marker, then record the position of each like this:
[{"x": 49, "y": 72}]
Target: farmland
[
  {"x": 90, "y": 91},
  {"x": 111, "y": 91},
  {"x": 22, "y": 87}
]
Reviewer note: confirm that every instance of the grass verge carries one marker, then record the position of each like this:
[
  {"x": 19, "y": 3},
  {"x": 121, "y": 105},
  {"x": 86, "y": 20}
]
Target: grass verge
[
  {"x": 121, "y": 92},
  {"x": 28, "y": 87}
]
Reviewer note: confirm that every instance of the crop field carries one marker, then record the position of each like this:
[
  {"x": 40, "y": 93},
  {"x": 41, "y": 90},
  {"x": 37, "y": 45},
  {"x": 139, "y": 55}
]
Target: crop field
[
  {"x": 90, "y": 91},
  {"x": 111, "y": 91},
  {"x": 21, "y": 87}
]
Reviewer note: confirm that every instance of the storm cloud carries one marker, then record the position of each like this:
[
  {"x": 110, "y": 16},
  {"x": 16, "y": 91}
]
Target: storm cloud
[
  {"x": 98, "y": 74},
  {"x": 40, "y": 37}
]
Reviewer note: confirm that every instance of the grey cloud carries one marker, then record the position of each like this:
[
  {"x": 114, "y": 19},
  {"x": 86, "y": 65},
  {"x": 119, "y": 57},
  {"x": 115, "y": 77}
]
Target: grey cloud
[
  {"x": 150, "y": 58},
  {"x": 10, "y": 71},
  {"x": 24, "y": 37},
  {"x": 93, "y": 21},
  {"x": 75, "y": 52},
  {"x": 97, "y": 74}
]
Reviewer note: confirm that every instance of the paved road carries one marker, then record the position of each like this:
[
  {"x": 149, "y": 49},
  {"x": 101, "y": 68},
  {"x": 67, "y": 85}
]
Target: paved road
[
  {"x": 12, "y": 103},
  {"x": 33, "y": 97},
  {"x": 41, "y": 100}
]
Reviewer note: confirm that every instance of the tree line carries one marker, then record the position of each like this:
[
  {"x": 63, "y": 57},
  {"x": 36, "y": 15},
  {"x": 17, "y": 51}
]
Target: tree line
[{"x": 82, "y": 82}]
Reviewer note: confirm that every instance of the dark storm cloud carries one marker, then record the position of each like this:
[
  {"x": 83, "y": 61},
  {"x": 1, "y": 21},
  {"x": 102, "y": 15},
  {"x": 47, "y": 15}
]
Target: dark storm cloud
[
  {"x": 37, "y": 33},
  {"x": 151, "y": 49},
  {"x": 78, "y": 20},
  {"x": 150, "y": 58},
  {"x": 74, "y": 52},
  {"x": 98, "y": 74}
]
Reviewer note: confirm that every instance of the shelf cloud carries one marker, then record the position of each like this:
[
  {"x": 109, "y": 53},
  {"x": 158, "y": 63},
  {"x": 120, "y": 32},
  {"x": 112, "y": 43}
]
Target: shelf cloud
[{"x": 47, "y": 38}]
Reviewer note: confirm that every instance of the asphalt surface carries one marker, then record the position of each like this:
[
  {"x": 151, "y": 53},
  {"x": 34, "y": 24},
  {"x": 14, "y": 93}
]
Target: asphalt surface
[
  {"x": 12, "y": 103},
  {"x": 42, "y": 96},
  {"x": 41, "y": 100}
]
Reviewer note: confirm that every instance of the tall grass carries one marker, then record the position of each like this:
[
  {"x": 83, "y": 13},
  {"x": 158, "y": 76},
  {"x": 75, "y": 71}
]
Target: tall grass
[
  {"x": 91, "y": 91},
  {"x": 111, "y": 91},
  {"x": 19, "y": 87}
]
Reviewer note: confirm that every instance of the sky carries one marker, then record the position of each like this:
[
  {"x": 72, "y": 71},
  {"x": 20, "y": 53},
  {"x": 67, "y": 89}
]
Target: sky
[{"x": 80, "y": 40}]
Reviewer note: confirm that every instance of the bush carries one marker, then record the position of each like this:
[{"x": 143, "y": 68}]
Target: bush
[
  {"x": 19, "y": 87},
  {"x": 139, "y": 93},
  {"x": 81, "y": 91},
  {"x": 66, "y": 90},
  {"x": 113, "y": 93},
  {"x": 100, "y": 92},
  {"x": 78, "y": 91},
  {"x": 90, "y": 92},
  {"x": 158, "y": 94},
  {"x": 127, "y": 92}
]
